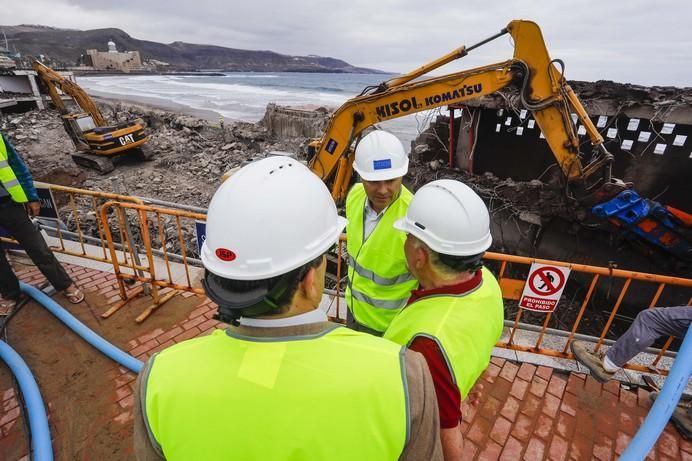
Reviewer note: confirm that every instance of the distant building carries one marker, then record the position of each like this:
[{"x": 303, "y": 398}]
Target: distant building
[{"x": 125, "y": 61}]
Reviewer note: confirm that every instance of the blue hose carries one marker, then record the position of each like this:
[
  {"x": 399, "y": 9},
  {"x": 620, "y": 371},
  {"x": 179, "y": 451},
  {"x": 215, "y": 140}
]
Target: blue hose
[
  {"x": 38, "y": 421},
  {"x": 665, "y": 404},
  {"x": 82, "y": 330}
]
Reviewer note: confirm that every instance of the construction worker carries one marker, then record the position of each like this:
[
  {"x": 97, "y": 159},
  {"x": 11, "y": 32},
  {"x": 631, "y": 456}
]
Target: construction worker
[
  {"x": 19, "y": 201},
  {"x": 282, "y": 382},
  {"x": 378, "y": 282},
  {"x": 456, "y": 316}
]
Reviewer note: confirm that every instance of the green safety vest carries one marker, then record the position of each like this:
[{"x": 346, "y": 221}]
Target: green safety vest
[
  {"x": 226, "y": 396},
  {"x": 379, "y": 283},
  {"x": 8, "y": 178},
  {"x": 465, "y": 327}
]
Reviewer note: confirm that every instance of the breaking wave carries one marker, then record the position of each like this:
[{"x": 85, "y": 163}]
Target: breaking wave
[{"x": 244, "y": 96}]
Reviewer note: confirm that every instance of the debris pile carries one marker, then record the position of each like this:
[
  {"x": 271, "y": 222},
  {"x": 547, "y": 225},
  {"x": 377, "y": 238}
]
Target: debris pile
[{"x": 191, "y": 154}]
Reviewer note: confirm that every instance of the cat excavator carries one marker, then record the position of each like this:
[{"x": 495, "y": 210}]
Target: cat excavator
[
  {"x": 97, "y": 143},
  {"x": 543, "y": 90}
]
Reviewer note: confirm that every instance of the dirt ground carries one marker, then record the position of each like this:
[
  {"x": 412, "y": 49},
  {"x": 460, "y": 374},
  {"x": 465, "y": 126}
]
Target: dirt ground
[{"x": 76, "y": 381}]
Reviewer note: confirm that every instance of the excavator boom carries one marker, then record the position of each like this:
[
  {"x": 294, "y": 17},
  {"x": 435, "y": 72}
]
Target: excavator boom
[
  {"x": 54, "y": 80},
  {"x": 543, "y": 90}
]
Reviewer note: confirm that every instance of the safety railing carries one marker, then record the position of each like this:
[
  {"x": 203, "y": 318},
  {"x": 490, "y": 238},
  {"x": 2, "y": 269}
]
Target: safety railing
[
  {"x": 584, "y": 283},
  {"x": 153, "y": 244},
  {"x": 582, "y": 286},
  {"x": 71, "y": 217},
  {"x": 591, "y": 310},
  {"x": 156, "y": 253}
]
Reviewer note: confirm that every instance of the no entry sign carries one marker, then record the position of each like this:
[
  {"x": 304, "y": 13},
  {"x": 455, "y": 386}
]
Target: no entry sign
[{"x": 543, "y": 287}]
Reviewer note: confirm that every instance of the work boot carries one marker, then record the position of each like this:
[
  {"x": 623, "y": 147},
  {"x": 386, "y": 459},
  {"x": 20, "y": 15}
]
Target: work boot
[
  {"x": 591, "y": 360},
  {"x": 682, "y": 415}
]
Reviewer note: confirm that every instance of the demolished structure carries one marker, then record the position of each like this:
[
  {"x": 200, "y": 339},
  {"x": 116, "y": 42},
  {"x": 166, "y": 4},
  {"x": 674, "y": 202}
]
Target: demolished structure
[{"x": 497, "y": 145}]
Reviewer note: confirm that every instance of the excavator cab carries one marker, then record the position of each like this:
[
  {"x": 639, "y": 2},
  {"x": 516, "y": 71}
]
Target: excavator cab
[{"x": 76, "y": 125}]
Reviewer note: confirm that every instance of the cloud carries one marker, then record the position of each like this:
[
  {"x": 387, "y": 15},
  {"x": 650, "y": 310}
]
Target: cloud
[{"x": 635, "y": 41}]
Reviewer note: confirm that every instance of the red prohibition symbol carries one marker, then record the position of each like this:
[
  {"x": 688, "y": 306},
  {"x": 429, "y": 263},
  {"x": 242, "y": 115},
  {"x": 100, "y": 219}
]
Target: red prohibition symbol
[{"x": 546, "y": 281}]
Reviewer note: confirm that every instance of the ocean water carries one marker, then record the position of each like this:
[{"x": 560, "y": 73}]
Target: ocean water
[{"x": 244, "y": 96}]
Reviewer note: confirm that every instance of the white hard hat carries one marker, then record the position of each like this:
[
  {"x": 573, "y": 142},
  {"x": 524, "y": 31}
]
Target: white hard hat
[
  {"x": 449, "y": 217},
  {"x": 380, "y": 156},
  {"x": 272, "y": 216}
]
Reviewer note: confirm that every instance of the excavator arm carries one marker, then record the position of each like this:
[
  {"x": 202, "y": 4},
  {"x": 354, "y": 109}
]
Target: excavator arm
[
  {"x": 543, "y": 91},
  {"x": 54, "y": 80},
  {"x": 96, "y": 142}
]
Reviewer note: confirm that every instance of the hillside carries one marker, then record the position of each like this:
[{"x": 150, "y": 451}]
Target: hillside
[{"x": 65, "y": 46}]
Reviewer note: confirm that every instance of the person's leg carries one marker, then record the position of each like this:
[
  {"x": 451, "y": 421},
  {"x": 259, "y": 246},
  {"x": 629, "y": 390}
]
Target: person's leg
[
  {"x": 648, "y": 326},
  {"x": 17, "y": 222},
  {"x": 9, "y": 285}
]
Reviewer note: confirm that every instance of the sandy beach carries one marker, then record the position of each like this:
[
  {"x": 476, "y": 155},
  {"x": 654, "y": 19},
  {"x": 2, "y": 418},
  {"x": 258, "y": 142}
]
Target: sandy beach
[{"x": 160, "y": 104}]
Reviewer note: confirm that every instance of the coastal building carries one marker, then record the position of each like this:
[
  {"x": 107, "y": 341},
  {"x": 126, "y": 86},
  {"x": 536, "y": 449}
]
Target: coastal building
[{"x": 114, "y": 60}]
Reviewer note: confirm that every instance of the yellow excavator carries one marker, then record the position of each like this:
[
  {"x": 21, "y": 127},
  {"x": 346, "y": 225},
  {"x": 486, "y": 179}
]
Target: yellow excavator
[
  {"x": 97, "y": 143},
  {"x": 544, "y": 91}
]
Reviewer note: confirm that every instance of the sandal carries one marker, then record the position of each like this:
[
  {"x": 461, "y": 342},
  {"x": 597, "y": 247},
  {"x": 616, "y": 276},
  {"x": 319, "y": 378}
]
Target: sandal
[
  {"x": 74, "y": 295},
  {"x": 7, "y": 306}
]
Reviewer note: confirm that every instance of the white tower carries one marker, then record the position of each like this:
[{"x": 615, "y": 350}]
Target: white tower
[{"x": 111, "y": 47}]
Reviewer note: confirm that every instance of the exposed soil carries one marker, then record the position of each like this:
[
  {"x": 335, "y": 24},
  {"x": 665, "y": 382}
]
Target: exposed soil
[{"x": 77, "y": 382}]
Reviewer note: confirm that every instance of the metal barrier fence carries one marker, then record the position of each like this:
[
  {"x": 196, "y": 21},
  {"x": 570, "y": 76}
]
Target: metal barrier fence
[
  {"x": 641, "y": 286},
  {"x": 80, "y": 212},
  {"x": 151, "y": 244},
  {"x": 154, "y": 227},
  {"x": 593, "y": 277},
  {"x": 599, "y": 313}
]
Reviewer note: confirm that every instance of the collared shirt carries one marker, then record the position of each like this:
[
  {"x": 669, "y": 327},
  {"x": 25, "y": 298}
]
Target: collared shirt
[
  {"x": 370, "y": 219},
  {"x": 313, "y": 316},
  {"x": 458, "y": 289},
  {"x": 446, "y": 391}
]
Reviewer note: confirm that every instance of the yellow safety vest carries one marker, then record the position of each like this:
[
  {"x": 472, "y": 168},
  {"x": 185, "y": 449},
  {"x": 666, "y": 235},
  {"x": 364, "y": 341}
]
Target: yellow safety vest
[
  {"x": 379, "y": 283},
  {"x": 226, "y": 396},
  {"x": 8, "y": 178},
  {"x": 465, "y": 327}
]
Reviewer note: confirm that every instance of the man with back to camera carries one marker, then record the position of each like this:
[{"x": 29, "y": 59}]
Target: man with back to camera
[
  {"x": 282, "y": 382},
  {"x": 378, "y": 281},
  {"x": 457, "y": 315}
]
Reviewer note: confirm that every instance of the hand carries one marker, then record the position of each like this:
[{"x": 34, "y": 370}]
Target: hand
[
  {"x": 33, "y": 208},
  {"x": 474, "y": 397}
]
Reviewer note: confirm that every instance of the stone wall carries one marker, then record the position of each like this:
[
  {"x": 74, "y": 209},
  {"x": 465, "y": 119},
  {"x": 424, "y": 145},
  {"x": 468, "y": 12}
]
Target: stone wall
[{"x": 288, "y": 122}]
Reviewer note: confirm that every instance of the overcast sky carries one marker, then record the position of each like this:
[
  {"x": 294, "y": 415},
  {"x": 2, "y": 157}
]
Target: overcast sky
[{"x": 645, "y": 42}]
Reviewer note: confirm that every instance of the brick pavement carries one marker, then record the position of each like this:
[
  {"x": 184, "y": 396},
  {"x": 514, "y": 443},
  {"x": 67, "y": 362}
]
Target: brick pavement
[
  {"x": 537, "y": 413},
  {"x": 526, "y": 412}
]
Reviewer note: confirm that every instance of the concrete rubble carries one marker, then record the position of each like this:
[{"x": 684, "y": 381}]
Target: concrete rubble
[{"x": 191, "y": 155}]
